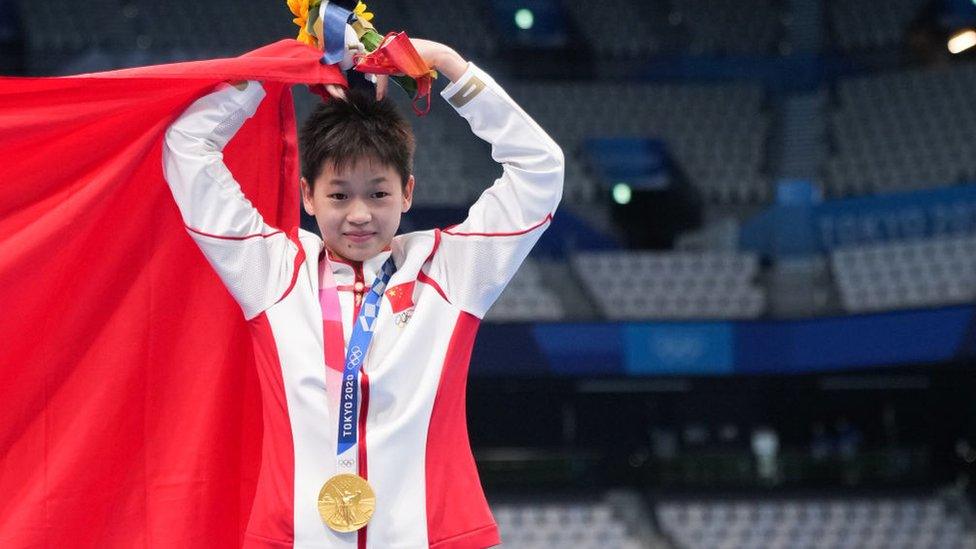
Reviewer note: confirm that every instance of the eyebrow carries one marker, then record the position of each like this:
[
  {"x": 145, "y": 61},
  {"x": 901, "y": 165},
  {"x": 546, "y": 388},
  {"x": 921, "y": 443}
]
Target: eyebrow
[{"x": 374, "y": 181}]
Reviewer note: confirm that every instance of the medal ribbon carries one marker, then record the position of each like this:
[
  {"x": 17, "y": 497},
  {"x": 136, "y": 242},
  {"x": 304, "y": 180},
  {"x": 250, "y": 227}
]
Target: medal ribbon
[
  {"x": 331, "y": 331},
  {"x": 344, "y": 387},
  {"x": 334, "y": 28}
]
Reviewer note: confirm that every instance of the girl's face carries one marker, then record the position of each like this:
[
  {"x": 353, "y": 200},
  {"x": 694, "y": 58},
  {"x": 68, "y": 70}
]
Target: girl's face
[{"x": 358, "y": 209}]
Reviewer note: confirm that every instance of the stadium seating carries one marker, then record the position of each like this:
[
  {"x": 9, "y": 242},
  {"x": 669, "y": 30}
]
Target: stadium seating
[
  {"x": 581, "y": 525},
  {"x": 55, "y": 32},
  {"x": 717, "y": 133},
  {"x": 609, "y": 37},
  {"x": 906, "y": 523},
  {"x": 107, "y": 34},
  {"x": 731, "y": 27},
  {"x": 921, "y": 273},
  {"x": 903, "y": 130},
  {"x": 621, "y": 29},
  {"x": 467, "y": 32},
  {"x": 62, "y": 26},
  {"x": 217, "y": 26},
  {"x": 645, "y": 285},
  {"x": 870, "y": 25}
]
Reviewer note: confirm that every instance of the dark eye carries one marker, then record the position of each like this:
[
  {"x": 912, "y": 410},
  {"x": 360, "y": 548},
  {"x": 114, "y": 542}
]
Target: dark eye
[
  {"x": 337, "y": 196},
  {"x": 380, "y": 194}
]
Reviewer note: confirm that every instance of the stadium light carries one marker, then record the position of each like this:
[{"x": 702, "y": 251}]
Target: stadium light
[
  {"x": 962, "y": 41},
  {"x": 621, "y": 193},
  {"x": 524, "y": 19}
]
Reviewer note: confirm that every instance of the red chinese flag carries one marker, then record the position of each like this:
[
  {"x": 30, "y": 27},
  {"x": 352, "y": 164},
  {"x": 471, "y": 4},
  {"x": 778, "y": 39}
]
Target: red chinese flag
[{"x": 129, "y": 406}]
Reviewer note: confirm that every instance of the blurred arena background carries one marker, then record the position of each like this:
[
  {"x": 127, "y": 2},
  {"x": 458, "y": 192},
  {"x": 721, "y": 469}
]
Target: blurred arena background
[{"x": 751, "y": 323}]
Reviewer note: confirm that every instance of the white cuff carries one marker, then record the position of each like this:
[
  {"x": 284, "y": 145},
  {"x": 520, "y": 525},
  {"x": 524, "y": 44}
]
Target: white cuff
[
  {"x": 460, "y": 92},
  {"x": 249, "y": 98}
]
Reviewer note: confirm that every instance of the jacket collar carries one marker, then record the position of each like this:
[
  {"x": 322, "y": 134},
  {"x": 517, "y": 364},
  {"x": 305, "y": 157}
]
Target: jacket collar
[{"x": 345, "y": 271}]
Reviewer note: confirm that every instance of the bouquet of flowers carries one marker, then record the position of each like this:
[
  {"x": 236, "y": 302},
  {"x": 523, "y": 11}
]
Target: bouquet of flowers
[{"x": 348, "y": 38}]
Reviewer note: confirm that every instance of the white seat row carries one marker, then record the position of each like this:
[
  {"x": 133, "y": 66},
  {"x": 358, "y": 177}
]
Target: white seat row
[
  {"x": 696, "y": 264},
  {"x": 673, "y": 285},
  {"x": 819, "y": 524},
  {"x": 903, "y": 130},
  {"x": 527, "y": 298},
  {"x": 930, "y": 272},
  {"x": 579, "y": 525}
]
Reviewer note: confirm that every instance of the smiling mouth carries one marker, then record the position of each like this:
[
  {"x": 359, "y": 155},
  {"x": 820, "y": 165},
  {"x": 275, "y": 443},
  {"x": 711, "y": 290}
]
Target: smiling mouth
[{"x": 359, "y": 237}]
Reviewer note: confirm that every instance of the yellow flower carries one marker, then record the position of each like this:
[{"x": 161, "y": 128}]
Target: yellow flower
[
  {"x": 299, "y": 8},
  {"x": 361, "y": 12}
]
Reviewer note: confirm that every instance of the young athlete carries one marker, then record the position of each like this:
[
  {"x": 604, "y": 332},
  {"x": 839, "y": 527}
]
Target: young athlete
[{"x": 363, "y": 340}]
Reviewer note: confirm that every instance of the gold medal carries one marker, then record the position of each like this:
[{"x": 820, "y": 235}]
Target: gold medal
[{"x": 346, "y": 502}]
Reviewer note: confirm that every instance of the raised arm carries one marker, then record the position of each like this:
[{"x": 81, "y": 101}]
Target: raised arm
[
  {"x": 255, "y": 261},
  {"x": 478, "y": 257}
]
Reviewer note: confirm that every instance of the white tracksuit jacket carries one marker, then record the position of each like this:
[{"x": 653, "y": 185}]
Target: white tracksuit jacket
[{"x": 416, "y": 454}]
